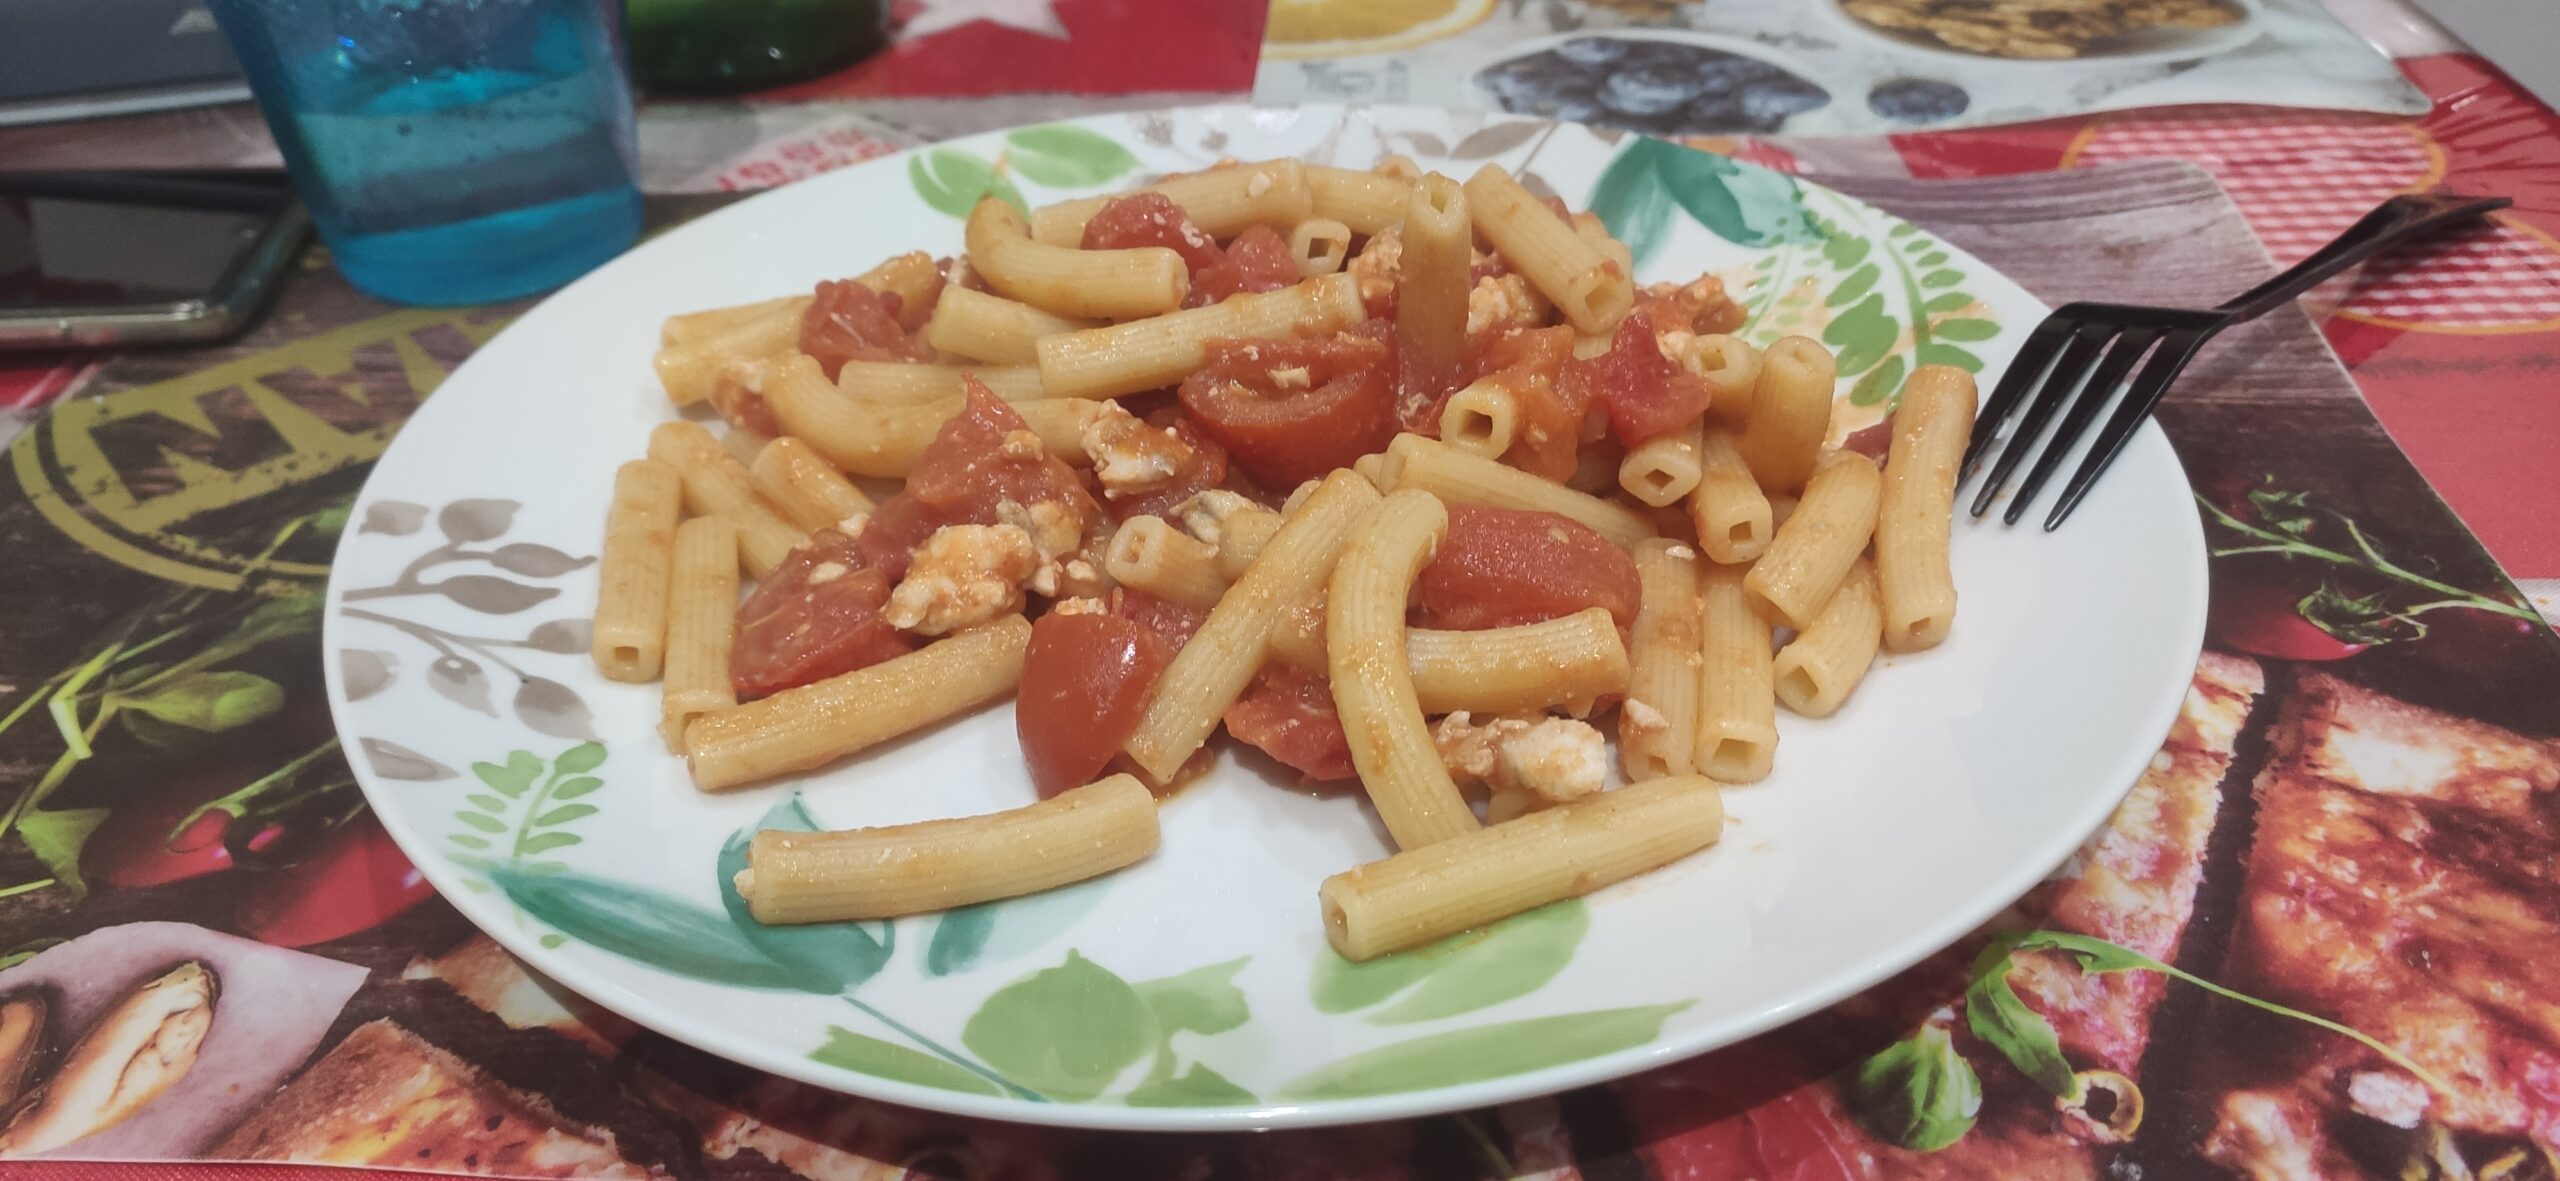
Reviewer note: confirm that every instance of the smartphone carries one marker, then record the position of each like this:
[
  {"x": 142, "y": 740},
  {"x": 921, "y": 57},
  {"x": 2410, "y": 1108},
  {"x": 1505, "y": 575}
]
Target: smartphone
[{"x": 139, "y": 258}]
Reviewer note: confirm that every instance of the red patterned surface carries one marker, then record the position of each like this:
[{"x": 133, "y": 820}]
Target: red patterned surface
[{"x": 1109, "y": 47}]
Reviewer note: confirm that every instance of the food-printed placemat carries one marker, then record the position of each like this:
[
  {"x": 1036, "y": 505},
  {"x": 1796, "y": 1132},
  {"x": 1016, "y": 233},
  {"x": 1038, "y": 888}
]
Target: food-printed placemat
[
  {"x": 2352, "y": 820},
  {"x": 1822, "y": 67}
]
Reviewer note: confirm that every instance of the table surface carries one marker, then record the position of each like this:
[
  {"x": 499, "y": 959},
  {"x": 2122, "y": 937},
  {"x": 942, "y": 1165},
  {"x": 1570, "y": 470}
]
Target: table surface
[{"x": 2452, "y": 352}]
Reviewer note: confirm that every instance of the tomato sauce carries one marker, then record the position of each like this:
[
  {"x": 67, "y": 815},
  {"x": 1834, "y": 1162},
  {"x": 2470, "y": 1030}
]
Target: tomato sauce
[
  {"x": 963, "y": 475},
  {"x": 1288, "y": 714},
  {"x": 816, "y": 616},
  {"x": 1644, "y": 394},
  {"x": 847, "y": 321},
  {"x": 1290, "y": 409},
  {"x": 1501, "y": 567}
]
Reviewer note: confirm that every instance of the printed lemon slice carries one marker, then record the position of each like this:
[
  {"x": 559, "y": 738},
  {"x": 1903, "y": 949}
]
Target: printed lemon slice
[{"x": 1307, "y": 29}]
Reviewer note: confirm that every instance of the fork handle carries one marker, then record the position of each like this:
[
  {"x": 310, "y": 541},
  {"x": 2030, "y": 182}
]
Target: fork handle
[{"x": 2401, "y": 217}]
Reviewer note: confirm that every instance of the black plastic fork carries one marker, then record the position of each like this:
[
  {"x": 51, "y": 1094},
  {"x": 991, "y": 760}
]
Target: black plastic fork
[{"x": 2102, "y": 342}]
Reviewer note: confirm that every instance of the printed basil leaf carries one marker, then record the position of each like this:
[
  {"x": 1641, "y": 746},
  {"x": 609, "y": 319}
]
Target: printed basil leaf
[
  {"x": 1064, "y": 156},
  {"x": 1197, "y": 1087},
  {"x": 1935, "y": 353},
  {"x": 1843, "y": 250},
  {"x": 952, "y": 181},
  {"x": 993, "y": 932},
  {"x": 1483, "y": 1052},
  {"x": 646, "y": 926},
  {"x": 1064, "y": 1032},
  {"x": 1202, "y": 1000},
  {"x": 1918, "y": 1092},
  {"x": 835, "y": 957},
  {"x": 1742, "y": 204},
  {"x": 1461, "y": 973},
  {"x": 1862, "y": 336},
  {"x": 1854, "y": 287},
  {"x": 1632, "y": 201},
  {"x": 211, "y": 702},
  {"x": 1948, "y": 302},
  {"x": 511, "y": 780},
  {"x": 1993, "y": 1010},
  {"x": 958, "y": 937},
  {"x": 56, "y": 838},
  {"x": 869, "y": 1055},
  {"x": 1880, "y": 384},
  {"x": 1964, "y": 329}
]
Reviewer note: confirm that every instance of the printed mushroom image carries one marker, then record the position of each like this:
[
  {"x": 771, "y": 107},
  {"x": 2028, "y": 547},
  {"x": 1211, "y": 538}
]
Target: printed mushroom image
[
  {"x": 138, "y": 1050},
  {"x": 171, "y": 1035}
]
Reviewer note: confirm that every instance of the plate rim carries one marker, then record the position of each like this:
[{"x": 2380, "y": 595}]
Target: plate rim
[{"x": 2150, "y": 446}]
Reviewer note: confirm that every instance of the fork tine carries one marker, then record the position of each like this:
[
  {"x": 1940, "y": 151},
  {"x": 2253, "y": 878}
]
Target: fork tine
[
  {"x": 2176, "y": 350},
  {"x": 2015, "y": 381},
  {"x": 2093, "y": 398},
  {"x": 2065, "y": 378}
]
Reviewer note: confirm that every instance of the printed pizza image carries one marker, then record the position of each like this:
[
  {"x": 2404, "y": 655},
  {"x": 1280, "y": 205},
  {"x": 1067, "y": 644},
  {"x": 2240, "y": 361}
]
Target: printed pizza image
[{"x": 2038, "y": 28}]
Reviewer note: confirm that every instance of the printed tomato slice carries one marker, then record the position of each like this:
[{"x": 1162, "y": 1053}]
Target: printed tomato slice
[
  {"x": 1289, "y": 410},
  {"x": 1498, "y": 567},
  {"x": 1256, "y": 261},
  {"x": 964, "y": 474},
  {"x": 847, "y": 321},
  {"x": 1289, "y": 714},
  {"x": 1151, "y": 219},
  {"x": 816, "y": 615},
  {"x": 1085, "y": 683},
  {"x": 1645, "y": 395}
]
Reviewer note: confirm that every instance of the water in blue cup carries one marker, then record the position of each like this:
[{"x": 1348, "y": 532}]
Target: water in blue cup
[{"x": 450, "y": 151}]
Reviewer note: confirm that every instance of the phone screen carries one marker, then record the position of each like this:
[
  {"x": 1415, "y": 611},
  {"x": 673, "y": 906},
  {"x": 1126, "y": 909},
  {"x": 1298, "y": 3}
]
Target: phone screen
[{"x": 65, "y": 249}]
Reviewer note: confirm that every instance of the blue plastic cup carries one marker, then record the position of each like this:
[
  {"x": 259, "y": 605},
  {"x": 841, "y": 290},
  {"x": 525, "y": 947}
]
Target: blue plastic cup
[{"x": 450, "y": 151}]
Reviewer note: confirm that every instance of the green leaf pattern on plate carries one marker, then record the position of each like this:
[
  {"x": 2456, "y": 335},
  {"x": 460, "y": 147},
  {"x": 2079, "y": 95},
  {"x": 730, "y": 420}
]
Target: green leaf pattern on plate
[
  {"x": 1483, "y": 1052},
  {"x": 952, "y": 181},
  {"x": 1063, "y": 156},
  {"x": 526, "y": 811},
  {"x": 1459, "y": 974}
]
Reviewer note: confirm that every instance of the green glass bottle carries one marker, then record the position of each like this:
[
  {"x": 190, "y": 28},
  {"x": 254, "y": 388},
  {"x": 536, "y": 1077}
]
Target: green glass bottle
[{"x": 727, "y": 46}]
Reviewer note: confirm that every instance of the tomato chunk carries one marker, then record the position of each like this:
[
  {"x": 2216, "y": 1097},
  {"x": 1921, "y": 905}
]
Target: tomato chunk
[
  {"x": 1645, "y": 395},
  {"x": 1151, "y": 219},
  {"x": 816, "y": 615},
  {"x": 1085, "y": 684},
  {"x": 1499, "y": 567},
  {"x": 1291, "y": 409},
  {"x": 1546, "y": 439},
  {"x": 1203, "y": 468},
  {"x": 983, "y": 458},
  {"x": 1289, "y": 714},
  {"x": 1256, "y": 260},
  {"x": 847, "y": 321},
  {"x": 1171, "y": 622}
]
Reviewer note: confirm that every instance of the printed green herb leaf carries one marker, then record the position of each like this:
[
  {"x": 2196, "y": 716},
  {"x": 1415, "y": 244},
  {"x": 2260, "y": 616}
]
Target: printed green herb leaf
[
  {"x": 958, "y": 937},
  {"x": 544, "y": 842},
  {"x": 646, "y": 926},
  {"x": 1936, "y": 279},
  {"x": 1632, "y": 201},
  {"x": 992, "y": 932},
  {"x": 1993, "y": 1010},
  {"x": 1901, "y": 229},
  {"x": 1964, "y": 329},
  {"x": 482, "y": 822},
  {"x": 485, "y": 802},
  {"x": 56, "y": 838},
  {"x": 952, "y": 181},
  {"x": 1917, "y": 1093},
  {"x": 513, "y": 779},
  {"x": 563, "y": 814},
  {"x": 1483, "y": 1052},
  {"x": 586, "y": 756},
  {"x": 211, "y": 702},
  {"x": 833, "y": 957},
  {"x": 1064, "y": 156},
  {"x": 272, "y": 620},
  {"x": 1064, "y": 1032},
  {"x": 1461, "y": 973},
  {"x": 469, "y": 840},
  {"x": 1198, "y": 1086},
  {"x": 1844, "y": 250},
  {"x": 1947, "y": 302},
  {"x": 848, "y": 1050},
  {"x": 2356, "y": 619},
  {"x": 1202, "y": 1000},
  {"x": 570, "y": 789},
  {"x": 2099, "y": 955},
  {"x": 1936, "y": 353},
  {"x": 1856, "y": 286},
  {"x": 553, "y": 940},
  {"x": 1881, "y": 384},
  {"x": 1861, "y": 336},
  {"x": 1931, "y": 259}
]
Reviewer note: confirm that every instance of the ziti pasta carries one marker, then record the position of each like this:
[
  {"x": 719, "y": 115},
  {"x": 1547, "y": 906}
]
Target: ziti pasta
[{"x": 1284, "y": 451}]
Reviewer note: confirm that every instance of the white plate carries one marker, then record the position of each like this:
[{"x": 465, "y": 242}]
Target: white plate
[{"x": 1953, "y": 781}]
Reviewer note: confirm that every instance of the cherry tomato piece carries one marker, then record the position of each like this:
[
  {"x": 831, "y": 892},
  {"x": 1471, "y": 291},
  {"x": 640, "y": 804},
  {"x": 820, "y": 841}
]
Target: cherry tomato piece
[
  {"x": 1256, "y": 261},
  {"x": 980, "y": 459},
  {"x": 817, "y": 615},
  {"x": 1289, "y": 714},
  {"x": 1151, "y": 219},
  {"x": 1171, "y": 622},
  {"x": 1085, "y": 683},
  {"x": 1290, "y": 410},
  {"x": 847, "y": 321},
  {"x": 1644, "y": 394},
  {"x": 1498, "y": 567}
]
